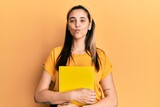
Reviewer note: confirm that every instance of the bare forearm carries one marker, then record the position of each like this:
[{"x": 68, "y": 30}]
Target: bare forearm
[
  {"x": 47, "y": 96},
  {"x": 105, "y": 102}
]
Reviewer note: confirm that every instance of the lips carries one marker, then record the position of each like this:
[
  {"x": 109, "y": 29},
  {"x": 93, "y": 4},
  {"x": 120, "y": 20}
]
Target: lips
[{"x": 77, "y": 30}]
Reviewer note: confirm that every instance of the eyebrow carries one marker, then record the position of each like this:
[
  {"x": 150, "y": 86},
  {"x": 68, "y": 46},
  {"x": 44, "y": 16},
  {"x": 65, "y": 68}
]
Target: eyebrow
[{"x": 80, "y": 18}]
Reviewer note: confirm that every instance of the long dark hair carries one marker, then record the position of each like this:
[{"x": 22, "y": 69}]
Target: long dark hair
[{"x": 90, "y": 46}]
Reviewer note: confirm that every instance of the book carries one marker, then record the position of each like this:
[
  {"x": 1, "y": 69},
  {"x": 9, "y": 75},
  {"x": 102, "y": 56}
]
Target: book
[{"x": 76, "y": 77}]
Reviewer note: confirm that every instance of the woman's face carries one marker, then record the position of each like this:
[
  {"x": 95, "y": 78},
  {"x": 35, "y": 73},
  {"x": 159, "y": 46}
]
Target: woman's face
[{"x": 78, "y": 23}]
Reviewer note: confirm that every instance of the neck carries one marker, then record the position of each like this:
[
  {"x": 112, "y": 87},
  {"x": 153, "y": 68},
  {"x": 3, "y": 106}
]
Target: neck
[{"x": 78, "y": 46}]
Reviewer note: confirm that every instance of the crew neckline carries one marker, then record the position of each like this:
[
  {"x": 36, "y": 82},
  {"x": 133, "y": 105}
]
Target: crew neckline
[{"x": 80, "y": 54}]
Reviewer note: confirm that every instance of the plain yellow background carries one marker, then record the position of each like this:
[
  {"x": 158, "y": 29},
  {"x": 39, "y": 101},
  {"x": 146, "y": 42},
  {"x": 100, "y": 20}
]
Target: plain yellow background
[{"x": 127, "y": 30}]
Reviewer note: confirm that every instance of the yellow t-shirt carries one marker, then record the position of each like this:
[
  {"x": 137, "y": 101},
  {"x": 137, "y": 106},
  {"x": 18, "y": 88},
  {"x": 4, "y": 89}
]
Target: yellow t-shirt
[{"x": 80, "y": 60}]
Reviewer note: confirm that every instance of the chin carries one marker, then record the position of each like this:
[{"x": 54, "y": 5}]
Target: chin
[{"x": 79, "y": 36}]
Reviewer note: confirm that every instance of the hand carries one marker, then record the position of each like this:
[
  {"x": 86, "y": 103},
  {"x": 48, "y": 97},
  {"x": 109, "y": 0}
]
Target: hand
[
  {"x": 86, "y": 96},
  {"x": 67, "y": 105}
]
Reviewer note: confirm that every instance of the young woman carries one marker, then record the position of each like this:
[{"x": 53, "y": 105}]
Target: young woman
[{"x": 79, "y": 49}]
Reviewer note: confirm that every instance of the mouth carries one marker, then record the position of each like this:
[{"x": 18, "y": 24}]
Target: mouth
[{"x": 77, "y": 30}]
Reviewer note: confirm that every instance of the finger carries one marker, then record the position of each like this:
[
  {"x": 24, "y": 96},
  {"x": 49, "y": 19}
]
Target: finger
[
  {"x": 91, "y": 94},
  {"x": 92, "y": 99},
  {"x": 90, "y": 102},
  {"x": 59, "y": 106}
]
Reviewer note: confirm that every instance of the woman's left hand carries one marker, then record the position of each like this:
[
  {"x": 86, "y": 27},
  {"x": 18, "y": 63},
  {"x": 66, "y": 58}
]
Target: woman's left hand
[{"x": 67, "y": 105}]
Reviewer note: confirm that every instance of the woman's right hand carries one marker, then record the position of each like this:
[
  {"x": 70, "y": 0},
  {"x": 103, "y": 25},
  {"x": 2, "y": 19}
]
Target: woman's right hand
[{"x": 84, "y": 95}]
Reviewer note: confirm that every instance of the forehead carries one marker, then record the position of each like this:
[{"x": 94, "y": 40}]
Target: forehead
[{"x": 78, "y": 13}]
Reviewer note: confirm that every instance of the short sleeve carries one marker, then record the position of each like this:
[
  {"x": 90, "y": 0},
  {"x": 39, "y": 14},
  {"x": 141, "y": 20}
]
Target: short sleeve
[
  {"x": 49, "y": 64},
  {"x": 106, "y": 66}
]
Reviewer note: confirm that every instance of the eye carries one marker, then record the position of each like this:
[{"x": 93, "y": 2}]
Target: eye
[
  {"x": 71, "y": 21},
  {"x": 82, "y": 20}
]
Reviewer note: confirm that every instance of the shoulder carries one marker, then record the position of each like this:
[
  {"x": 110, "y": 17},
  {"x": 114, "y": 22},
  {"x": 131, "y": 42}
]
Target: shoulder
[
  {"x": 56, "y": 51},
  {"x": 59, "y": 48},
  {"x": 102, "y": 56},
  {"x": 101, "y": 53}
]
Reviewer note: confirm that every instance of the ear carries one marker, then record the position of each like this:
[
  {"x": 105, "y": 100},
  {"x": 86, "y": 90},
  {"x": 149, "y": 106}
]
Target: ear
[{"x": 90, "y": 26}]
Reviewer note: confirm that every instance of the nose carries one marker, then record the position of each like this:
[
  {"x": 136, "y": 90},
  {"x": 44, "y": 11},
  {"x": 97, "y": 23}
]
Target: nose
[{"x": 77, "y": 24}]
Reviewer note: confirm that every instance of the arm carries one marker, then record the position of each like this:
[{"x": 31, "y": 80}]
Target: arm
[
  {"x": 110, "y": 99},
  {"x": 44, "y": 95}
]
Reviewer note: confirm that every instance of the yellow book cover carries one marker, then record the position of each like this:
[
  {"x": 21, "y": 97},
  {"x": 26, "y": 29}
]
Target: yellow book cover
[{"x": 75, "y": 77}]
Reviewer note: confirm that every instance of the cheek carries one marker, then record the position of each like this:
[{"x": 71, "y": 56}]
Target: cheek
[
  {"x": 71, "y": 30},
  {"x": 85, "y": 30},
  {"x": 86, "y": 27},
  {"x": 70, "y": 27}
]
